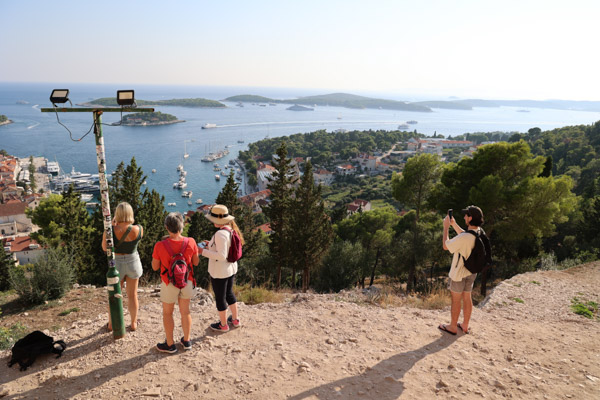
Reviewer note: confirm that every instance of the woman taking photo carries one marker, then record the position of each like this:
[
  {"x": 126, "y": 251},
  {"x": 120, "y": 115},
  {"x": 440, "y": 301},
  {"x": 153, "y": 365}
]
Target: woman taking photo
[
  {"x": 221, "y": 271},
  {"x": 127, "y": 259}
]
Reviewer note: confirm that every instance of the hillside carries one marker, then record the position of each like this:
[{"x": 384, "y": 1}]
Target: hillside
[
  {"x": 194, "y": 103},
  {"x": 331, "y": 346}
]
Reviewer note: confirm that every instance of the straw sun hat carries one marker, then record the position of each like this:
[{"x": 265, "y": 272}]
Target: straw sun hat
[{"x": 219, "y": 215}]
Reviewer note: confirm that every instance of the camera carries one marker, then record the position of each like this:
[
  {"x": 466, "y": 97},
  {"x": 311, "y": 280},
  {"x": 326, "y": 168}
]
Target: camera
[{"x": 450, "y": 213}]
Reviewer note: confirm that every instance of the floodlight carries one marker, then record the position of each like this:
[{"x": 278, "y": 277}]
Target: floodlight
[
  {"x": 59, "y": 96},
  {"x": 125, "y": 97}
]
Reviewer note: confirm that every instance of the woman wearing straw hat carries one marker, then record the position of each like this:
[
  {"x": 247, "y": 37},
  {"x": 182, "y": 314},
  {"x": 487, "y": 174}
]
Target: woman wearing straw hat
[{"x": 221, "y": 271}]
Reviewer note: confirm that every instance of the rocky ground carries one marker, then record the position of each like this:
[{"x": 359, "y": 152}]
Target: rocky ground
[{"x": 525, "y": 343}]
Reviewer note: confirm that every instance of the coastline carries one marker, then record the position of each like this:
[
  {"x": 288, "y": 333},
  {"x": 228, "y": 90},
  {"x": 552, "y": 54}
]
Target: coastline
[{"x": 6, "y": 122}]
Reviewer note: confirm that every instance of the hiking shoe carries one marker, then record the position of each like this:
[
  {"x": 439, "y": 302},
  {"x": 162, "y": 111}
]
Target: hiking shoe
[
  {"x": 165, "y": 348},
  {"x": 234, "y": 322},
  {"x": 218, "y": 327},
  {"x": 187, "y": 344}
]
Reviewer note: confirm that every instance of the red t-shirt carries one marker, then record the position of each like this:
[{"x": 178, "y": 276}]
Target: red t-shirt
[{"x": 160, "y": 253}]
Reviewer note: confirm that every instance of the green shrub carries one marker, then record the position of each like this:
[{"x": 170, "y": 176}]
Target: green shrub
[
  {"x": 8, "y": 336},
  {"x": 587, "y": 309},
  {"x": 518, "y": 300},
  {"x": 49, "y": 278}
]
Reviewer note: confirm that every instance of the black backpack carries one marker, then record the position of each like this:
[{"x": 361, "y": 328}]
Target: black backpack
[
  {"x": 481, "y": 255},
  {"x": 27, "y": 349}
]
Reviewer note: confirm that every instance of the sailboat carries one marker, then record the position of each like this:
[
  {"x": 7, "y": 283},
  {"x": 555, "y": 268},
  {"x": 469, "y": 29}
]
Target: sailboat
[{"x": 185, "y": 153}]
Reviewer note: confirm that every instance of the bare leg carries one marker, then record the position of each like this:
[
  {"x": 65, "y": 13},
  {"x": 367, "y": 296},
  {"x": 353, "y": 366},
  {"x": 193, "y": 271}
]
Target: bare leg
[
  {"x": 454, "y": 311},
  {"x": 168, "y": 322},
  {"x": 234, "y": 310},
  {"x": 467, "y": 309},
  {"x": 223, "y": 317},
  {"x": 186, "y": 318},
  {"x": 132, "y": 301}
]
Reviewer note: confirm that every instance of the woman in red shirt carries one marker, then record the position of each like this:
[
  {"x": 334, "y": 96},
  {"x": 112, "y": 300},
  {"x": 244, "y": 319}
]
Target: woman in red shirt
[{"x": 169, "y": 294}]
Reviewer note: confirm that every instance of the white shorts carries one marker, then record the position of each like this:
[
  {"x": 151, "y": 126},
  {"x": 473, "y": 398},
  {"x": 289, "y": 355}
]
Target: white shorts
[{"x": 170, "y": 294}]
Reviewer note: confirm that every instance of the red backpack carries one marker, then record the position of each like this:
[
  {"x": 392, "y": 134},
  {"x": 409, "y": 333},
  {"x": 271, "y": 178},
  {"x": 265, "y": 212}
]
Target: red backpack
[
  {"x": 235, "y": 247},
  {"x": 177, "y": 271}
]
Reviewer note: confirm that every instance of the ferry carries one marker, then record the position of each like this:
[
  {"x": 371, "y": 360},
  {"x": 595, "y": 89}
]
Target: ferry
[
  {"x": 52, "y": 167},
  {"x": 209, "y": 126}
]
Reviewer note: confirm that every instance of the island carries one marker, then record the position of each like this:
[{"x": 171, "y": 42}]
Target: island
[
  {"x": 194, "y": 103},
  {"x": 296, "y": 107},
  {"x": 148, "y": 119},
  {"x": 336, "y": 99},
  {"x": 4, "y": 120}
]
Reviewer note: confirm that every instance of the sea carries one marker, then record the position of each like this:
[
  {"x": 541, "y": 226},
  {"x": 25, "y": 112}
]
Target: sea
[{"x": 161, "y": 148}]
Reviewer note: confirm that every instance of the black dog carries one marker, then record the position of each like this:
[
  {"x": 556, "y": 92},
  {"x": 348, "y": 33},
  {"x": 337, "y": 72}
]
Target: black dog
[{"x": 27, "y": 349}]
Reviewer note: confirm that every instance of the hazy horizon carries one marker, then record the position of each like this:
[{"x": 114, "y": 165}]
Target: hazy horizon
[{"x": 432, "y": 50}]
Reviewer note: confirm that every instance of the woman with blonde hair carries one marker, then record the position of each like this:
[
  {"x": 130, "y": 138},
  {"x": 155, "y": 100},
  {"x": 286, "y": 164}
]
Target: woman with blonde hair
[
  {"x": 222, "y": 272},
  {"x": 127, "y": 258}
]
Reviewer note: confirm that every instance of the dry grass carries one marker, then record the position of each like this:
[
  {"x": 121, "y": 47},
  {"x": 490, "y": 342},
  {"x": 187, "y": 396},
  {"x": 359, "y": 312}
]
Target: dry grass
[
  {"x": 256, "y": 295},
  {"x": 439, "y": 298}
]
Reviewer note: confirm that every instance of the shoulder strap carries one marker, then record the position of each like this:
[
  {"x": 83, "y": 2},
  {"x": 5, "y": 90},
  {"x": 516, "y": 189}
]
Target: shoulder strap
[
  {"x": 124, "y": 236},
  {"x": 184, "y": 245},
  {"x": 139, "y": 232},
  {"x": 168, "y": 247}
]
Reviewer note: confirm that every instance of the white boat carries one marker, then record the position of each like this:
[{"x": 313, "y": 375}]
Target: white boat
[
  {"x": 209, "y": 126},
  {"x": 175, "y": 185},
  {"x": 223, "y": 173},
  {"x": 185, "y": 153},
  {"x": 218, "y": 177},
  {"x": 187, "y": 194},
  {"x": 180, "y": 167},
  {"x": 199, "y": 201},
  {"x": 172, "y": 204},
  {"x": 86, "y": 197},
  {"x": 182, "y": 173},
  {"x": 144, "y": 183},
  {"x": 153, "y": 171},
  {"x": 181, "y": 185},
  {"x": 189, "y": 203},
  {"x": 403, "y": 126}
]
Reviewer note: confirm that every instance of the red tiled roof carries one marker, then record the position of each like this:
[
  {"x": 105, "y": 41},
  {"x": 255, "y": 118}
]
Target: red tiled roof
[
  {"x": 12, "y": 209},
  {"x": 20, "y": 243}
]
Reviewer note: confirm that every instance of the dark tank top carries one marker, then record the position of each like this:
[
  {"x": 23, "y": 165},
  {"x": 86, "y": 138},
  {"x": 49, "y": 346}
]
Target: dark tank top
[{"x": 128, "y": 247}]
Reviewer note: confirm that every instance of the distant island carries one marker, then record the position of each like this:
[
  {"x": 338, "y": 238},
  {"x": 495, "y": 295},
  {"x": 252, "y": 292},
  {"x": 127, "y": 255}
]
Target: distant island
[
  {"x": 337, "y": 100},
  {"x": 296, "y": 107},
  {"x": 148, "y": 119},
  {"x": 4, "y": 120},
  {"x": 354, "y": 101},
  {"x": 112, "y": 102}
]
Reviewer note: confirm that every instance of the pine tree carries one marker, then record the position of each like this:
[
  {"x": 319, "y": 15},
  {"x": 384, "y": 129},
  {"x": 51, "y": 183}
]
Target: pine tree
[
  {"x": 201, "y": 229},
  {"x": 279, "y": 211},
  {"x": 312, "y": 230},
  {"x": 6, "y": 262}
]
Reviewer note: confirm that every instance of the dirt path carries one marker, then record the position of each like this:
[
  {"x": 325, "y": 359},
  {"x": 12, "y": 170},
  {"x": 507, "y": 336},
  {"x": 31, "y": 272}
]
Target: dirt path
[{"x": 318, "y": 347}]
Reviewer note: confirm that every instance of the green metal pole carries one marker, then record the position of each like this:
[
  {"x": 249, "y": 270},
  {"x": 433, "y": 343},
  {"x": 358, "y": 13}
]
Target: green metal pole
[{"x": 115, "y": 298}]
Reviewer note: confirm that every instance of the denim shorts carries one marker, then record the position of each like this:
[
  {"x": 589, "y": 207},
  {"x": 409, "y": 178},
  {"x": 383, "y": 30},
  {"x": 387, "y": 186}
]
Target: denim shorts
[
  {"x": 464, "y": 285},
  {"x": 128, "y": 265}
]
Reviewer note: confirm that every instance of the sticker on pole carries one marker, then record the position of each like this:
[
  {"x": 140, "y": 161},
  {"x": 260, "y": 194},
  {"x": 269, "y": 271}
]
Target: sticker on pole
[{"x": 112, "y": 281}]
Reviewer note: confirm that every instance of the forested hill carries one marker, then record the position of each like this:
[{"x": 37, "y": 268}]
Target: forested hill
[
  {"x": 198, "y": 102},
  {"x": 337, "y": 99}
]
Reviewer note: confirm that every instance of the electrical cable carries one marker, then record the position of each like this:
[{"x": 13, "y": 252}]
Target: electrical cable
[{"x": 64, "y": 126}]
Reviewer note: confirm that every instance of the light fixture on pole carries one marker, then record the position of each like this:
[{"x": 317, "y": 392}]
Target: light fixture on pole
[
  {"x": 125, "y": 98},
  {"x": 59, "y": 96}
]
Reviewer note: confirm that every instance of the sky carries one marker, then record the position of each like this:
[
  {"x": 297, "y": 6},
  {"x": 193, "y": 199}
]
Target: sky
[{"x": 435, "y": 49}]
